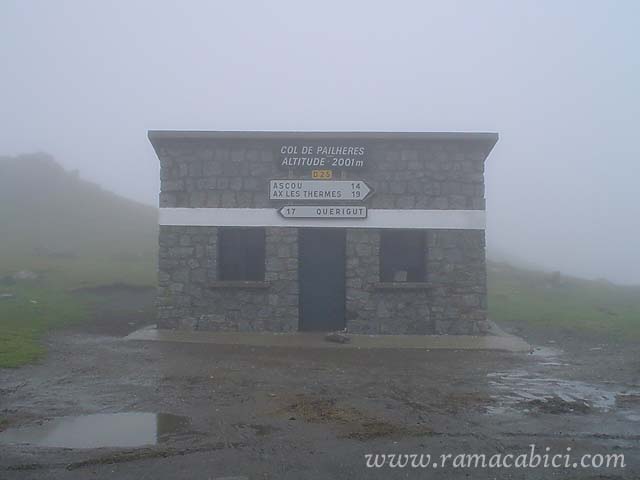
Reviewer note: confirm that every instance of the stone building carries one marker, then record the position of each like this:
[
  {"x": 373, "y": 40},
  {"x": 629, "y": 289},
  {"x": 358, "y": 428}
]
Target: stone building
[{"x": 284, "y": 231}]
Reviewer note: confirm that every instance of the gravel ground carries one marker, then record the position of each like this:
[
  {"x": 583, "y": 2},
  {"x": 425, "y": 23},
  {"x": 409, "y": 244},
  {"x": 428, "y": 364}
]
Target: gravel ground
[{"x": 286, "y": 413}]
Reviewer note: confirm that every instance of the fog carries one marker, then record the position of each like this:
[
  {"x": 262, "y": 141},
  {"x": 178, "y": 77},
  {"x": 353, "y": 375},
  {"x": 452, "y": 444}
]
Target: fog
[{"x": 558, "y": 81}]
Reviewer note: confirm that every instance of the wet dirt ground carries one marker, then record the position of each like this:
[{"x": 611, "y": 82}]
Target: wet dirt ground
[{"x": 286, "y": 413}]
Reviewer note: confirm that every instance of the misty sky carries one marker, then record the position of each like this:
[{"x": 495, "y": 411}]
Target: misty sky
[{"x": 558, "y": 80}]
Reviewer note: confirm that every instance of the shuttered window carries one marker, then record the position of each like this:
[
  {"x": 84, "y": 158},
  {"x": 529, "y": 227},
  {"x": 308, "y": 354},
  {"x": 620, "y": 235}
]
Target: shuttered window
[
  {"x": 241, "y": 254},
  {"x": 402, "y": 256}
]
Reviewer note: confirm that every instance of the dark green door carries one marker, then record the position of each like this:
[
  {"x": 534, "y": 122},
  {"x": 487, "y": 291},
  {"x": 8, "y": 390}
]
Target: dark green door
[{"x": 321, "y": 276}]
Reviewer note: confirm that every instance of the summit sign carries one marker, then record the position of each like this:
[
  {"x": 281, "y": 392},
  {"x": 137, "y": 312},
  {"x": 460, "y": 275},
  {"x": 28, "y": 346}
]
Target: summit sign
[{"x": 322, "y": 156}]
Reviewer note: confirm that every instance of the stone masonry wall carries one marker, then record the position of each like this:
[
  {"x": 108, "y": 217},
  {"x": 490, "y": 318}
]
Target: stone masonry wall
[
  {"x": 435, "y": 176},
  {"x": 452, "y": 300},
  {"x": 191, "y": 297}
]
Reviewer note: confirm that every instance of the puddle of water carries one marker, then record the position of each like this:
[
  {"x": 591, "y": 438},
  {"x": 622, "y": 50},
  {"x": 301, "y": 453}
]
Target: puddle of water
[
  {"x": 132, "y": 429},
  {"x": 522, "y": 386},
  {"x": 549, "y": 355},
  {"x": 546, "y": 352},
  {"x": 553, "y": 364},
  {"x": 519, "y": 390}
]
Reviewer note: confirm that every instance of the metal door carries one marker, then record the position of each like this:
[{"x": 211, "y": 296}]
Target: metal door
[{"x": 321, "y": 276}]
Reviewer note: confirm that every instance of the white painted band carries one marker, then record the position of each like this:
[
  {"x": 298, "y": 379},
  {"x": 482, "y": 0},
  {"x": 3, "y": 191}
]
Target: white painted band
[{"x": 269, "y": 217}]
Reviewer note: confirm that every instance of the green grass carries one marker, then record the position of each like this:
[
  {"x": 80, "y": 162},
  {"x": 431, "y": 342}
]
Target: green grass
[
  {"x": 25, "y": 318},
  {"x": 544, "y": 302},
  {"x": 73, "y": 234}
]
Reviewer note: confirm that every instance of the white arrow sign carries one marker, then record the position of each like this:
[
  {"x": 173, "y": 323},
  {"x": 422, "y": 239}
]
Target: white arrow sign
[
  {"x": 323, "y": 211},
  {"x": 318, "y": 190}
]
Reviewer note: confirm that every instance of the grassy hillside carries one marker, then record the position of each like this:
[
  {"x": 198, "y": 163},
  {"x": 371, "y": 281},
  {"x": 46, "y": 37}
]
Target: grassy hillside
[
  {"x": 69, "y": 229},
  {"x": 534, "y": 302},
  {"x": 72, "y": 234}
]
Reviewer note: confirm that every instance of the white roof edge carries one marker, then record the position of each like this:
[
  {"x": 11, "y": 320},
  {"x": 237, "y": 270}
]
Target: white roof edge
[{"x": 159, "y": 135}]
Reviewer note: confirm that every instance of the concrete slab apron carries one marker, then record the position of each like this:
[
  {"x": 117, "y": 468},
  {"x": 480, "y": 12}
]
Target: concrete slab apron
[{"x": 508, "y": 343}]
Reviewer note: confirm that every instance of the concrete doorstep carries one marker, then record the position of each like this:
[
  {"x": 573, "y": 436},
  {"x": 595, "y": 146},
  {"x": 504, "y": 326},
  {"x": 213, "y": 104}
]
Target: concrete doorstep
[{"x": 496, "y": 340}]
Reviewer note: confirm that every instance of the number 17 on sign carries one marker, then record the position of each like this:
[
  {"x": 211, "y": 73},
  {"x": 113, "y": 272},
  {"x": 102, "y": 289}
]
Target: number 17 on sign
[{"x": 288, "y": 211}]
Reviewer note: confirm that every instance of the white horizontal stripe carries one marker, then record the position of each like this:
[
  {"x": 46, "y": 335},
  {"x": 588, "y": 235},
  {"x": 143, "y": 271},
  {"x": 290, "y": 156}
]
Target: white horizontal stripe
[{"x": 269, "y": 217}]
